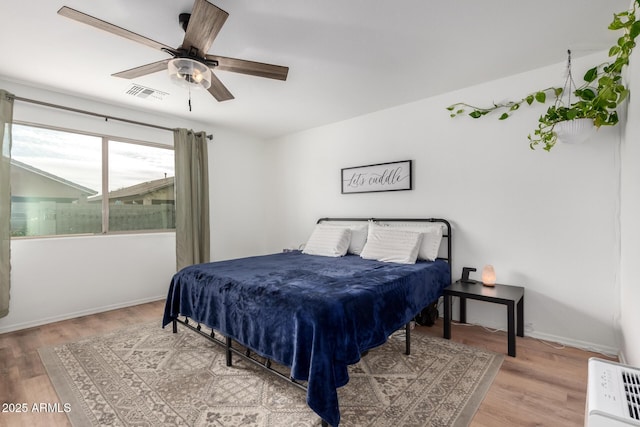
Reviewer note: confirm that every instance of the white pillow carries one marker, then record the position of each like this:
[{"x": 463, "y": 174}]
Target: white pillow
[
  {"x": 328, "y": 241},
  {"x": 391, "y": 244},
  {"x": 431, "y": 238},
  {"x": 358, "y": 236}
]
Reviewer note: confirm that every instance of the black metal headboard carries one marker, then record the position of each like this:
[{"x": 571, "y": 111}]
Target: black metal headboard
[{"x": 446, "y": 235}]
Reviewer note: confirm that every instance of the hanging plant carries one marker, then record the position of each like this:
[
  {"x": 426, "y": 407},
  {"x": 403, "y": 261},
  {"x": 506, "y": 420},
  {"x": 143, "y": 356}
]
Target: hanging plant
[{"x": 596, "y": 99}]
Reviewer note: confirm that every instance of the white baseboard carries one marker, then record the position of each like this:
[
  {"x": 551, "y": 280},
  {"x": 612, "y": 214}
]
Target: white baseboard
[
  {"x": 622, "y": 359},
  {"x": 570, "y": 342},
  {"x": 67, "y": 316},
  {"x": 583, "y": 345}
]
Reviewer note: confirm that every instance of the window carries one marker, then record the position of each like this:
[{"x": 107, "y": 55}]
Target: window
[
  {"x": 58, "y": 180},
  {"x": 141, "y": 190}
]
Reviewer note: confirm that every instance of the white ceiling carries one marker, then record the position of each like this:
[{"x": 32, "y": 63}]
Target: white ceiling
[{"x": 345, "y": 58}]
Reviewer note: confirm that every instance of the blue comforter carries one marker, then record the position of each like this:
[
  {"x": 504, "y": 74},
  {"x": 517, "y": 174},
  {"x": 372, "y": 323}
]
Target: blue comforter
[{"x": 314, "y": 314}]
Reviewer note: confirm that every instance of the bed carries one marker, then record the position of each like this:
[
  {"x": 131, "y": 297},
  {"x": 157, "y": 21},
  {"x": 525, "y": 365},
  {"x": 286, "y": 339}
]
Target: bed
[{"x": 314, "y": 314}]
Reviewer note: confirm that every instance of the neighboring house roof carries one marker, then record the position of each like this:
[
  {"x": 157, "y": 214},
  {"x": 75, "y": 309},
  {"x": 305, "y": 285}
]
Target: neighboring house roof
[
  {"x": 52, "y": 177},
  {"x": 138, "y": 189}
]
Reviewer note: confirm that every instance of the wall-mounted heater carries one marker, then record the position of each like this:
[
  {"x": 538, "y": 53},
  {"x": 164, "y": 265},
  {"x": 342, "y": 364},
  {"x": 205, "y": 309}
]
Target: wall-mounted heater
[{"x": 613, "y": 395}]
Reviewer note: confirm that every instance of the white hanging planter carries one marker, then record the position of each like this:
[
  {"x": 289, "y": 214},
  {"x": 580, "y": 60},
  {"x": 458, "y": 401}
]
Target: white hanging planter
[{"x": 574, "y": 131}]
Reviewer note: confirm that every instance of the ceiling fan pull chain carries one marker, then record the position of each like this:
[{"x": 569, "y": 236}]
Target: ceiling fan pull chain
[{"x": 189, "y": 98}]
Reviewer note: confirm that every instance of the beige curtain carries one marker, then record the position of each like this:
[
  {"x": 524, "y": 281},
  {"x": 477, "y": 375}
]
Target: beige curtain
[
  {"x": 192, "y": 197},
  {"x": 6, "y": 118}
]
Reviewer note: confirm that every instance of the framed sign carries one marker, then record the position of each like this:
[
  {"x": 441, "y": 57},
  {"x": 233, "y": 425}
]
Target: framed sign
[{"x": 393, "y": 176}]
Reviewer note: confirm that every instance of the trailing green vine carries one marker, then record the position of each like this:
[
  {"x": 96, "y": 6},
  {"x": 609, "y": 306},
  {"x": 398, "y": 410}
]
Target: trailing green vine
[{"x": 597, "y": 98}]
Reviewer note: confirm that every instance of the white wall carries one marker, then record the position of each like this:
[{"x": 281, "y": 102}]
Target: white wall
[
  {"x": 238, "y": 196},
  {"x": 59, "y": 278},
  {"x": 546, "y": 221},
  {"x": 630, "y": 223}
]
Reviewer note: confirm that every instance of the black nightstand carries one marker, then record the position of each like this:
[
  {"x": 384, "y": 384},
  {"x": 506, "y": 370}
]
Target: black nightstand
[{"x": 511, "y": 296}]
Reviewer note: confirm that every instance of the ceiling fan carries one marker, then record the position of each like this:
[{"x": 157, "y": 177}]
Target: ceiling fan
[{"x": 190, "y": 64}]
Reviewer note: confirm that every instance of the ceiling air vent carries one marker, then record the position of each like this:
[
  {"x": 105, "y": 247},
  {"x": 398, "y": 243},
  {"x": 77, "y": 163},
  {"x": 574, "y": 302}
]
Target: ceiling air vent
[{"x": 145, "y": 92}]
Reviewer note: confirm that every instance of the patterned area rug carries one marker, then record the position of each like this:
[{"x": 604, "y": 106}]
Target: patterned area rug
[{"x": 148, "y": 376}]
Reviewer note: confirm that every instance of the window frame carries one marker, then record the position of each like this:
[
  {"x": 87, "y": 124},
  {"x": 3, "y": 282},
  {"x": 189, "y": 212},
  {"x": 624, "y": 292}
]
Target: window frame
[{"x": 105, "y": 180}]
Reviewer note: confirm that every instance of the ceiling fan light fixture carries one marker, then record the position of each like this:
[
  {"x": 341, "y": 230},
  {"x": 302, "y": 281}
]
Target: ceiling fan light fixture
[{"x": 188, "y": 72}]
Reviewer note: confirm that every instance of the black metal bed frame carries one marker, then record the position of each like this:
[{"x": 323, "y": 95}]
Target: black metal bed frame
[
  {"x": 246, "y": 354},
  {"x": 230, "y": 350}
]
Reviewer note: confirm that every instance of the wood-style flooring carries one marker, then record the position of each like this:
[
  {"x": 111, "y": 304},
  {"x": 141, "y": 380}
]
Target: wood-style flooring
[{"x": 545, "y": 385}]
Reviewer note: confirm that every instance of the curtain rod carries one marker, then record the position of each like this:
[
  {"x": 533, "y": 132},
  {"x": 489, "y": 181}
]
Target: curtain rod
[{"x": 90, "y": 113}]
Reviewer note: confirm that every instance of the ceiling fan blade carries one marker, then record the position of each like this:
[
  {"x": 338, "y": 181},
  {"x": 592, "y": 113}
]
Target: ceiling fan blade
[
  {"x": 253, "y": 68},
  {"x": 143, "y": 70},
  {"x": 113, "y": 29},
  {"x": 204, "y": 25},
  {"x": 219, "y": 90}
]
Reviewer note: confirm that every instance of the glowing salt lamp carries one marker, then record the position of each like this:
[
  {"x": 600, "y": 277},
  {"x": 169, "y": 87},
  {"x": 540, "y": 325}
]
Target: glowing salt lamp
[{"x": 488, "y": 276}]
